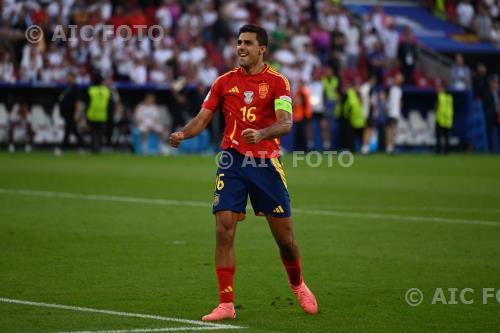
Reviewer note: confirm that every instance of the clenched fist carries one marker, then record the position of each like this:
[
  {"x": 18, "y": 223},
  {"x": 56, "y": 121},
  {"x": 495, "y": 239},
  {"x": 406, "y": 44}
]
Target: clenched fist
[
  {"x": 176, "y": 139},
  {"x": 251, "y": 135}
]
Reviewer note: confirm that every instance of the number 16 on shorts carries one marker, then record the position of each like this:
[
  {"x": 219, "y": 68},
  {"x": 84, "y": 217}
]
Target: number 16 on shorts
[{"x": 219, "y": 183}]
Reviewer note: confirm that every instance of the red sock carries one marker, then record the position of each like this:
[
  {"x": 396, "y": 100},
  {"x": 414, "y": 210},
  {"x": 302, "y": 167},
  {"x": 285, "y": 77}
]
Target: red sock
[
  {"x": 225, "y": 277},
  {"x": 294, "y": 271}
]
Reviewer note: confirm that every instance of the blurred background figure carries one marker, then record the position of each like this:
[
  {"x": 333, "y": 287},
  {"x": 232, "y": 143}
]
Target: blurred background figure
[
  {"x": 20, "y": 119},
  {"x": 99, "y": 100},
  {"x": 351, "y": 118},
  {"x": 331, "y": 85},
  {"x": 70, "y": 109},
  {"x": 317, "y": 99},
  {"x": 460, "y": 74},
  {"x": 483, "y": 23},
  {"x": 465, "y": 14},
  {"x": 7, "y": 73},
  {"x": 366, "y": 94},
  {"x": 491, "y": 107},
  {"x": 147, "y": 117},
  {"x": 377, "y": 62},
  {"x": 302, "y": 115},
  {"x": 444, "y": 119},
  {"x": 407, "y": 55},
  {"x": 394, "y": 107},
  {"x": 113, "y": 110},
  {"x": 480, "y": 82}
]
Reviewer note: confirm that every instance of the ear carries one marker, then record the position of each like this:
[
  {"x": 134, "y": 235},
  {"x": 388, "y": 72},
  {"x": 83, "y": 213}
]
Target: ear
[{"x": 263, "y": 49}]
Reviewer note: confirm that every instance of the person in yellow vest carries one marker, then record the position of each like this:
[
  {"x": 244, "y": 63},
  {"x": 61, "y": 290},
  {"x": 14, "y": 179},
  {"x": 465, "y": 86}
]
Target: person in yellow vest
[
  {"x": 440, "y": 9},
  {"x": 99, "y": 101},
  {"x": 331, "y": 84},
  {"x": 444, "y": 119},
  {"x": 351, "y": 118}
]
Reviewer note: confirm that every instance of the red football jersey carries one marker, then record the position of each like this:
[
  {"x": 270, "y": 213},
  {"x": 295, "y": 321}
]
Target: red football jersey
[{"x": 248, "y": 102}]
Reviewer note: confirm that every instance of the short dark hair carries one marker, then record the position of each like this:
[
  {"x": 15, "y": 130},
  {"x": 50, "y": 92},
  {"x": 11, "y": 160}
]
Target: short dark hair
[{"x": 261, "y": 33}]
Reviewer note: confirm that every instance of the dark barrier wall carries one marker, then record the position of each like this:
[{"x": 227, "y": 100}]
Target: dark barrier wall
[
  {"x": 423, "y": 101},
  {"x": 46, "y": 95}
]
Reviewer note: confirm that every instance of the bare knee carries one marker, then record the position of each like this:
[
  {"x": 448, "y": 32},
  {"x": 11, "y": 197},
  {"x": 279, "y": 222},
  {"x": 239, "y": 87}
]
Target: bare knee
[{"x": 225, "y": 230}]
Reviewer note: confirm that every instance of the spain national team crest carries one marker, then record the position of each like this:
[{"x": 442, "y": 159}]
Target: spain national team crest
[
  {"x": 248, "y": 96},
  {"x": 216, "y": 199},
  {"x": 263, "y": 90}
]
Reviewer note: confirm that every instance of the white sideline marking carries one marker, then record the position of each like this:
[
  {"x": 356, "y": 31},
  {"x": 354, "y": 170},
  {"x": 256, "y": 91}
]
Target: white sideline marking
[
  {"x": 419, "y": 208},
  {"x": 165, "y": 202},
  {"x": 397, "y": 217},
  {"x": 205, "y": 325},
  {"x": 147, "y": 330}
]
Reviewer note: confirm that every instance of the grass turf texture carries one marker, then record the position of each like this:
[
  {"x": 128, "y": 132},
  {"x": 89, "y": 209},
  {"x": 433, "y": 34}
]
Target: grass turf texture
[{"x": 158, "y": 259}]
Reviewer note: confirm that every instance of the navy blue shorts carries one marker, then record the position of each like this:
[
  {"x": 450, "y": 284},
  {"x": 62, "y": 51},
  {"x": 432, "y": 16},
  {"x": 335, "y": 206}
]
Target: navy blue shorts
[{"x": 262, "y": 179}]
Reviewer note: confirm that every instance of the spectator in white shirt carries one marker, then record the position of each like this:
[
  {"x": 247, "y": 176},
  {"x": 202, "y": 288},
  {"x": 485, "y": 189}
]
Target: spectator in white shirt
[
  {"x": 465, "y": 14},
  {"x": 31, "y": 64},
  {"x": 6, "y": 68},
  {"x": 284, "y": 54},
  {"x": 139, "y": 73},
  {"x": 483, "y": 23},
  {"x": 309, "y": 61},
  {"x": 317, "y": 99},
  {"x": 207, "y": 73},
  {"x": 237, "y": 13},
  {"x": 209, "y": 14},
  {"x": 164, "y": 16},
  {"x": 380, "y": 19},
  {"x": 163, "y": 52},
  {"x": 158, "y": 74},
  {"x": 460, "y": 74},
  {"x": 147, "y": 116},
  {"x": 394, "y": 105},
  {"x": 370, "y": 39},
  {"x": 391, "y": 42},
  {"x": 191, "y": 20},
  {"x": 352, "y": 48},
  {"x": 83, "y": 76},
  {"x": 54, "y": 55},
  {"x": 300, "y": 39}
]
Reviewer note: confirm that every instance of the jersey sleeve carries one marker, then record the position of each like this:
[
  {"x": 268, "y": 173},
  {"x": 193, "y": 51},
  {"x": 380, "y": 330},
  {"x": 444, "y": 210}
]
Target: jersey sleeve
[
  {"x": 282, "y": 96},
  {"x": 213, "y": 100}
]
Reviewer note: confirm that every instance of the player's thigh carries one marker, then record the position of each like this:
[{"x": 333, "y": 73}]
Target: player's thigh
[
  {"x": 267, "y": 189},
  {"x": 230, "y": 192}
]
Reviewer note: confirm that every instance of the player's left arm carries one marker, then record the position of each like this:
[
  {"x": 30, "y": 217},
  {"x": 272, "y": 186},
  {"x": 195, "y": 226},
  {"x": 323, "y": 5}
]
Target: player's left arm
[{"x": 282, "y": 126}]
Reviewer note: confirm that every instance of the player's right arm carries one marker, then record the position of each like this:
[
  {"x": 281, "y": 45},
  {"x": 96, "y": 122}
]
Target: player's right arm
[{"x": 194, "y": 127}]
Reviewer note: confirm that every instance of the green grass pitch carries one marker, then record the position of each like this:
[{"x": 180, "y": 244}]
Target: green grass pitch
[{"x": 136, "y": 235}]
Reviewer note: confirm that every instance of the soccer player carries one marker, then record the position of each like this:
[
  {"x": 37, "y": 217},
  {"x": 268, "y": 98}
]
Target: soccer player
[{"x": 257, "y": 108}]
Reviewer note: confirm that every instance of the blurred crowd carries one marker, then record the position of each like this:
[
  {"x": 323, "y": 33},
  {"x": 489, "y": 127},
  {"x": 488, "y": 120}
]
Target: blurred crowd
[
  {"x": 197, "y": 40},
  {"x": 481, "y": 17}
]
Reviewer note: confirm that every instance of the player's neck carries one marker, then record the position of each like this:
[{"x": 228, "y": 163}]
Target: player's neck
[{"x": 255, "y": 69}]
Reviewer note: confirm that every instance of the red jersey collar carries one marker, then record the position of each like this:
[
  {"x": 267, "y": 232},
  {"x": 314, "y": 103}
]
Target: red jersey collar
[{"x": 266, "y": 66}]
